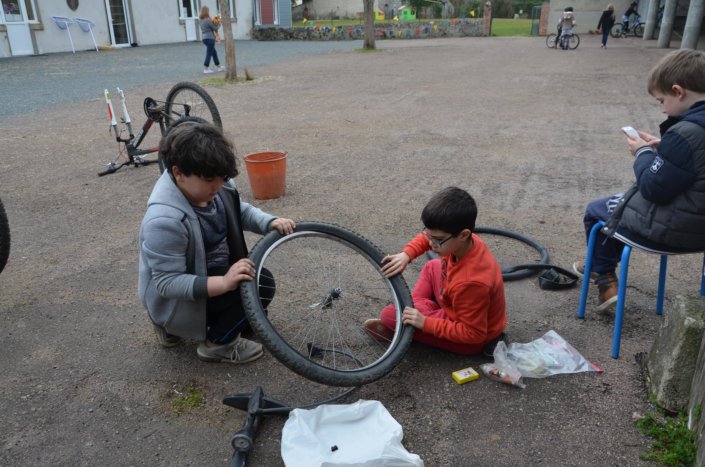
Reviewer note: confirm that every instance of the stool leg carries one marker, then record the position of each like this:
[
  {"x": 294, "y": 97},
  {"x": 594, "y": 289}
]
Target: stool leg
[
  {"x": 702, "y": 280},
  {"x": 588, "y": 268},
  {"x": 621, "y": 293},
  {"x": 661, "y": 284}
]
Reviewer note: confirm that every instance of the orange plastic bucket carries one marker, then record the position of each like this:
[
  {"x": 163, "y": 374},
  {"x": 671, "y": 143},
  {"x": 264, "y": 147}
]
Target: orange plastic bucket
[{"x": 267, "y": 173}]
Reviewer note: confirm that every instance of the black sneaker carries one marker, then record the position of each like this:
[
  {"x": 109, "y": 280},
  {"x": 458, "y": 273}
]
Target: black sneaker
[{"x": 488, "y": 350}]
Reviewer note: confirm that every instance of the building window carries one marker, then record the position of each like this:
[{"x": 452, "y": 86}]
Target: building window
[
  {"x": 188, "y": 9},
  {"x": 17, "y": 11}
]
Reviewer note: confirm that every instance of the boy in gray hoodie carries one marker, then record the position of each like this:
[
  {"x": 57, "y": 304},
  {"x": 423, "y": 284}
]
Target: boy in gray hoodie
[{"x": 193, "y": 255}]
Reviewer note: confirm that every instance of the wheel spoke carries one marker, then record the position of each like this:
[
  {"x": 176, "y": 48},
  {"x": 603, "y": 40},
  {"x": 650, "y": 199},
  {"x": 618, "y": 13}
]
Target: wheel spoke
[{"x": 326, "y": 288}]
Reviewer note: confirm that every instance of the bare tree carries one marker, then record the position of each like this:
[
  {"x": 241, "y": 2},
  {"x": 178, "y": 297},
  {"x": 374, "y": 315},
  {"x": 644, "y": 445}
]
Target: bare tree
[
  {"x": 230, "y": 67},
  {"x": 369, "y": 43}
]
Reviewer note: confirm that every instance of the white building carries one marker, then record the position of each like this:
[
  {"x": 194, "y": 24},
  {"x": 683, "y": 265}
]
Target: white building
[{"x": 30, "y": 27}]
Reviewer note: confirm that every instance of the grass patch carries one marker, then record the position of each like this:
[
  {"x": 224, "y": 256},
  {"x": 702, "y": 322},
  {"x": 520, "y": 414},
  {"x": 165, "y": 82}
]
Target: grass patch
[
  {"x": 187, "y": 399},
  {"x": 511, "y": 27},
  {"x": 673, "y": 443}
]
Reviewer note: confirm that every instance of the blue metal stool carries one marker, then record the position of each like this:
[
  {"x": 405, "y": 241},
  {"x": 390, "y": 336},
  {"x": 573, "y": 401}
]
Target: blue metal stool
[{"x": 623, "y": 270}]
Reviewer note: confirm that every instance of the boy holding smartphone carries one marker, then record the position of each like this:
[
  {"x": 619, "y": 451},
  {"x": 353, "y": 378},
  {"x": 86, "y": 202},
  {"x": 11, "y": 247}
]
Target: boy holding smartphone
[{"x": 665, "y": 208}]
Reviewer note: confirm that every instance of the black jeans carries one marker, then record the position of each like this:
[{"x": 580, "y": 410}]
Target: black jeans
[{"x": 225, "y": 314}]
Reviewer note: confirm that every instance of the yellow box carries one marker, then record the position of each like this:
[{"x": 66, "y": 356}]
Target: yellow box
[{"x": 465, "y": 375}]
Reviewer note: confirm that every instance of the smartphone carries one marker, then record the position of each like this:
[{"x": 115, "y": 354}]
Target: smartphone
[{"x": 631, "y": 132}]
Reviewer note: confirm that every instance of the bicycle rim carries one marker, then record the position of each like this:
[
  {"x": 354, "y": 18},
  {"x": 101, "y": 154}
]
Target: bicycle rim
[
  {"x": 551, "y": 41},
  {"x": 4, "y": 237},
  {"x": 573, "y": 41},
  {"x": 188, "y": 99},
  {"x": 328, "y": 282},
  {"x": 638, "y": 30}
]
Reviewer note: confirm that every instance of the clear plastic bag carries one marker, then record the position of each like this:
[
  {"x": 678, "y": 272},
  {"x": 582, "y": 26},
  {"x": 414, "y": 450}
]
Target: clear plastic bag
[
  {"x": 363, "y": 434},
  {"x": 546, "y": 356}
]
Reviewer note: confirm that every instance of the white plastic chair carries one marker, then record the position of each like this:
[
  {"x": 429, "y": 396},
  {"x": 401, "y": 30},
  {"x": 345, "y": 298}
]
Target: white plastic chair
[
  {"x": 63, "y": 23},
  {"x": 86, "y": 25}
]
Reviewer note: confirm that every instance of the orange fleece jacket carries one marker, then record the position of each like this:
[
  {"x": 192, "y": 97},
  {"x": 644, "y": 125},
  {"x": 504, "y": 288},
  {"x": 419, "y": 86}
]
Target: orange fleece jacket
[{"x": 472, "y": 294}]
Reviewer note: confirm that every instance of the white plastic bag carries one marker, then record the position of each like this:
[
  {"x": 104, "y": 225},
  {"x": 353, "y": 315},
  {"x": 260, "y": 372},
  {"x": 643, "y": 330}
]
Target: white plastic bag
[
  {"x": 546, "y": 356},
  {"x": 362, "y": 434}
]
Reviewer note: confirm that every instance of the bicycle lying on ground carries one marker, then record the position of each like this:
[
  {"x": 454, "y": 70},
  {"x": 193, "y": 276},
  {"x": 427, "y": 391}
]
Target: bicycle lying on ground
[
  {"x": 634, "y": 26},
  {"x": 566, "y": 41},
  {"x": 184, "y": 101},
  {"x": 4, "y": 237}
]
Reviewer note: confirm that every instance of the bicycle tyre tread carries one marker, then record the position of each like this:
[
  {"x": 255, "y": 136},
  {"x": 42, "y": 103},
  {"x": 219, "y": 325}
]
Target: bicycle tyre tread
[
  {"x": 293, "y": 360},
  {"x": 4, "y": 237}
]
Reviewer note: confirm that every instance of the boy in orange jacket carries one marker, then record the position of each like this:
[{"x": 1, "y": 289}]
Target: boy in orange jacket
[{"x": 459, "y": 301}]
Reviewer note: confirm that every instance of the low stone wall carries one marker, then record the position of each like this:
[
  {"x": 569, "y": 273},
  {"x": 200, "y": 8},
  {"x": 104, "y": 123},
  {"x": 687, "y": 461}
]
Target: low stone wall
[{"x": 406, "y": 30}]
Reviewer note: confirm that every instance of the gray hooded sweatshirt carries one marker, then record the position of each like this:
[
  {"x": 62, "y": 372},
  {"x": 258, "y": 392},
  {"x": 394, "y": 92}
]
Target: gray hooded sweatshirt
[{"x": 173, "y": 274}]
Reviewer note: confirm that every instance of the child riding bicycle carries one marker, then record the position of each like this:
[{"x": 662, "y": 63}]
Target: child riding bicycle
[
  {"x": 627, "y": 14},
  {"x": 565, "y": 27}
]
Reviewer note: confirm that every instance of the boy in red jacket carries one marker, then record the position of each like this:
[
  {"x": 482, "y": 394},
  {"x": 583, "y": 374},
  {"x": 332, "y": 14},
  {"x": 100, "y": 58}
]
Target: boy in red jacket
[{"x": 459, "y": 298}]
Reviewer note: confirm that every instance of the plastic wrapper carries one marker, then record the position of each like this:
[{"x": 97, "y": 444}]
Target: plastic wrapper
[
  {"x": 546, "y": 356},
  {"x": 363, "y": 434}
]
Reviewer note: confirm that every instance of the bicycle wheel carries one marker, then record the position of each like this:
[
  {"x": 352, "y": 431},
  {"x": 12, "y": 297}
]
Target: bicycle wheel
[
  {"x": 4, "y": 237},
  {"x": 187, "y": 99},
  {"x": 573, "y": 41},
  {"x": 616, "y": 30},
  {"x": 638, "y": 30},
  {"x": 162, "y": 167},
  {"x": 551, "y": 41},
  {"x": 328, "y": 282}
]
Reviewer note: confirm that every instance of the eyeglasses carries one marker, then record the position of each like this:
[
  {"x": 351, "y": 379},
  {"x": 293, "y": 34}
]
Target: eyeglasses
[{"x": 437, "y": 242}]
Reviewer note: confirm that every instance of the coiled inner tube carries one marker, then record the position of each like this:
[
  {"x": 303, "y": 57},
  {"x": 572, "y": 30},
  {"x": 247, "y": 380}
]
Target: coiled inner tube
[{"x": 520, "y": 271}]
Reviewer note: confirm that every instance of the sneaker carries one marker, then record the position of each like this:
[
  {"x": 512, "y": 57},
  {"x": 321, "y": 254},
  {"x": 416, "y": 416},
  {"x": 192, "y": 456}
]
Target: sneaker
[
  {"x": 221, "y": 68},
  {"x": 607, "y": 286},
  {"x": 488, "y": 350},
  {"x": 377, "y": 331},
  {"x": 240, "y": 350},
  {"x": 579, "y": 270},
  {"x": 207, "y": 71},
  {"x": 165, "y": 339}
]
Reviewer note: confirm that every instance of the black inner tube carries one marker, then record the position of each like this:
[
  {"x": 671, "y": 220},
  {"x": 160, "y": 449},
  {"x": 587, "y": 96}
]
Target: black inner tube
[{"x": 520, "y": 271}]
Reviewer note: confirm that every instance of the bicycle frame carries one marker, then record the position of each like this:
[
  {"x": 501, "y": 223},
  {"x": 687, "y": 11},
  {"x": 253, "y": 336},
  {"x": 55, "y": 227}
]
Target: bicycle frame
[{"x": 132, "y": 141}]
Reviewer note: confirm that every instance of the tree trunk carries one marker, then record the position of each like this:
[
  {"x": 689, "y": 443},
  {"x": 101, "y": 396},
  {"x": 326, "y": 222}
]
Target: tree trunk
[
  {"x": 369, "y": 42},
  {"x": 230, "y": 67}
]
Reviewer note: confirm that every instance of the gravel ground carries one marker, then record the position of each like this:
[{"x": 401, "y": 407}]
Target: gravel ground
[{"x": 532, "y": 133}]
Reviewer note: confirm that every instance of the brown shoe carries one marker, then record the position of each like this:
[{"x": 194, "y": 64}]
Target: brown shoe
[
  {"x": 378, "y": 331},
  {"x": 608, "y": 287}
]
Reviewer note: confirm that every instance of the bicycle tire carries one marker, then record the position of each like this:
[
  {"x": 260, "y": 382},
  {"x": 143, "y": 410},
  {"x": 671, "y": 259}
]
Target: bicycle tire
[
  {"x": 638, "y": 30},
  {"x": 616, "y": 30},
  {"x": 328, "y": 281},
  {"x": 551, "y": 40},
  {"x": 4, "y": 237},
  {"x": 573, "y": 41},
  {"x": 169, "y": 128},
  {"x": 200, "y": 104}
]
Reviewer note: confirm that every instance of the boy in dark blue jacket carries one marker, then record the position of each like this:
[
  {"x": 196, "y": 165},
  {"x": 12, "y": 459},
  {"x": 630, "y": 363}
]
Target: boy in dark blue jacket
[{"x": 665, "y": 208}]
